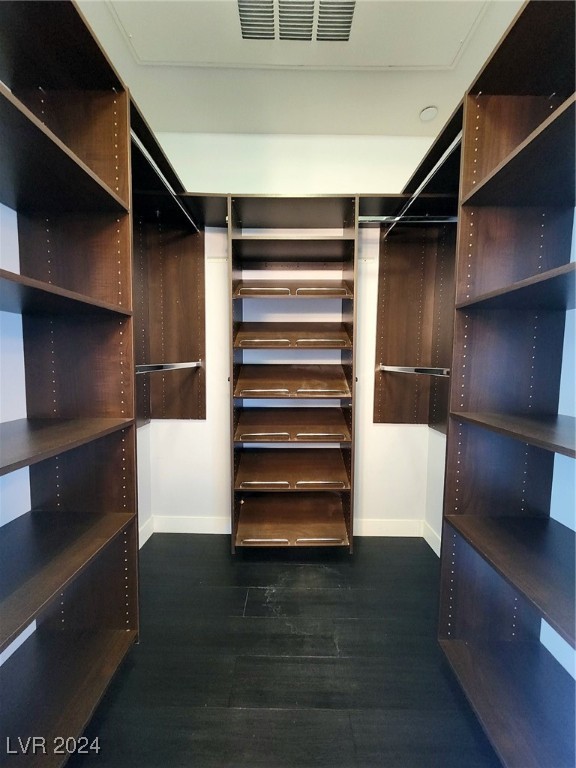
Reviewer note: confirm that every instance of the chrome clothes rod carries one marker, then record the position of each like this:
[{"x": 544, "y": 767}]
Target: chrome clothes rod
[
  {"x": 407, "y": 219},
  {"x": 160, "y": 367},
  {"x": 409, "y": 369}
]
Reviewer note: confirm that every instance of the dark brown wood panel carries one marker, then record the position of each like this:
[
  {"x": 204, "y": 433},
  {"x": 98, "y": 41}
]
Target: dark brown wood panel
[
  {"x": 278, "y": 469},
  {"x": 41, "y": 553},
  {"x": 305, "y": 249},
  {"x": 292, "y": 288},
  {"x": 314, "y": 212},
  {"x": 307, "y": 335},
  {"x": 537, "y": 556},
  {"x": 87, "y": 364},
  {"x": 307, "y": 519},
  {"x": 85, "y": 253},
  {"x": 526, "y": 718},
  {"x": 261, "y": 425},
  {"x": 294, "y": 381},
  {"x": 493, "y": 475},
  {"x": 516, "y": 363},
  {"x": 27, "y": 441}
]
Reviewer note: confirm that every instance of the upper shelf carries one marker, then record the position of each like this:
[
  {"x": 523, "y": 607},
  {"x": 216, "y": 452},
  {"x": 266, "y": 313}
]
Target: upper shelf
[
  {"x": 27, "y": 441},
  {"x": 545, "y": 157},
  {"x": 300, "y": 248},
  {"x": 25, "y": 295},
  {"x": 328, "y": 212},
  {"x": 294, "y": 288},
  {"x": 292, "y": 335},
  {"x": 535, "y": 554},
  {"x": 292, "y": 381},
  {"x": 553, "y": 289},
  {"x": 39, "y": 173},
  {"x": 553, "y": 433}
]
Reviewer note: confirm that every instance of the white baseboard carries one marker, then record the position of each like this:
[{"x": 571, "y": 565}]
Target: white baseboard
[
  {"x": 180, "y": 524},
  {"x": 431, "y": 537},
  {"x": 373, "y": 527},
  {"x": 145, "y": 531}
]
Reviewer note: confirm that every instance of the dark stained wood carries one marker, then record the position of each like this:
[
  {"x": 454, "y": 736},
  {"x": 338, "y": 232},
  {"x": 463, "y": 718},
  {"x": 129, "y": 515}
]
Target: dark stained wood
[
  {"x": 307, "y": 335},
  {"x": 553, "y": 433},
  {"x": 546, "y": 156},
  {"x": 298, "y": 425},
  {"x": 314, "y": 212},
  {"x": 273, "y": 520},
  {"x": 41, "y": 553},
  {"x": 278, "y": 469},
  {"x": 495, "y": 475},
  {"x": 26, "y": 296},
  {"x": 536, "y": 555},
  {"x": 39, "y": 172},
  {"x": 292, "y": 288},
  {"x": 526, "y": 718},
  {"x": 27, "y": 441},
  {"x": 294, "y": 381},
  {"x": 58, "y": 679},
  {"x": 207, "y": 210},
  {"x": 303, "y": 248}
]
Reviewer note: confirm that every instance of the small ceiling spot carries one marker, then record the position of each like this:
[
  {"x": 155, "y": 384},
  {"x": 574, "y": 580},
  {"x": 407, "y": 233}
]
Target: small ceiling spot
[
  {"x": 428, "y": 113},
  {"x": 256, "y": 19}
]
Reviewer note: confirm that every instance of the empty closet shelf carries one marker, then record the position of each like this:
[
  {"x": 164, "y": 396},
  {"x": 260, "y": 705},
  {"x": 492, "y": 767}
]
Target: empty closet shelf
[
  {"x": 303, "y": 289},
  {"x": 292, "y": 381},
  {"x": 262, "y": 425},
  {"x": 296, "y": 335},
  {"x": 281, "y": 520},
  {"x": 291, "y": 470}
]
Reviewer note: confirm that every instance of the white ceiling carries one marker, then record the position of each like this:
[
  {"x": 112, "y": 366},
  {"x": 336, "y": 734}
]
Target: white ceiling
[{"x": 190, "y": 70}]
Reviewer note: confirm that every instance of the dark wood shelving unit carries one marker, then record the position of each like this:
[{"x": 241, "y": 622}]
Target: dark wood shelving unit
[
  {"x": 284, "y": 520},
  {"x": 292, "y": 335},
  {"x": 70, "y": 563},
  {"x": 169, "y": 291},
  {"x": 507, "y": 561},
  {"x": 294, "y": 425},
  {"x": 293, "y": 381},
  {"x": 297, "y": 249},
  {"x": 27, "y": 441}
]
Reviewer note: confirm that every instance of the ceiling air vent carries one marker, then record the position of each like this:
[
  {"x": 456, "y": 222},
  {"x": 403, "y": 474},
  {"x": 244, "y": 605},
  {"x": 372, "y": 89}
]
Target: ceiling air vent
[
  {"x": 296, "y": 19},
  {"x": 257, "y": 19},
  {"x": 335, "y": 19}
]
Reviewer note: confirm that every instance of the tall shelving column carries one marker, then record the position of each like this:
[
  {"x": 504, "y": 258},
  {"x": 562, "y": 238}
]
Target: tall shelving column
[
  {"x": 293, "y": 263},
  {"x": 68, "y": 566},
  {"x": 508, "y": 541}
]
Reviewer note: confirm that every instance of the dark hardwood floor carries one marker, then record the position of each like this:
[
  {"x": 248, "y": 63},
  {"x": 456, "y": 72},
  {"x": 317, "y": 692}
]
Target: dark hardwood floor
[{"x": 286, "y": 658}]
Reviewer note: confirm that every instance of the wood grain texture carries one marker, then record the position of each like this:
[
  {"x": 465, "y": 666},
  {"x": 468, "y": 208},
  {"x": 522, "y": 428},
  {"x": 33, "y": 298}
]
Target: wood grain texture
[{"x": 292, "y": 425}]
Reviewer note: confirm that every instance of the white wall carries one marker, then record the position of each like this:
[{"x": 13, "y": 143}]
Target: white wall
[{"x": 291, "y": 164}]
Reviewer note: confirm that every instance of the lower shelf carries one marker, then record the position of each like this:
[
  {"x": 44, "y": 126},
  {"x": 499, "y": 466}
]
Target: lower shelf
[
  {"x": 291, "y": 469},
  {"x": 523, "y": 698},
  {"x": 56, "y": 680},
  {"x": 291, "y": 520}
]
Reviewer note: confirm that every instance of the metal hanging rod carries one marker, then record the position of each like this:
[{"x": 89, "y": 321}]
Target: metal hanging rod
[
  {"x": 407, "y": 220},
  {"x": 162, "y": 367},
  {"x": 162, "y": 178},
  {"x": 417, "y": 369}
]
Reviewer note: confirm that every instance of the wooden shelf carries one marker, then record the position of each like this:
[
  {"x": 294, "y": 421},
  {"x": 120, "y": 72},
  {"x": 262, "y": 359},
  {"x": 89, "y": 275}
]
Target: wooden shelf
[
  {"x": 553, "y": 433},
  {"x": 279, "y": 520},
  {"x": 528, "y": 718},
  {"x": 287, "y": 469},
  {"x": 294, "y": 288},
  {"x": 28, "y": 296},
  {"x": 292, "y": 335},
  {"x": 27, "y": 441},
  {"x": 292, "y": 381},
  {"x": 302, "y": 249},
  {"x": 553, "y": 289},
  {"x": 57, "y": 679},
  {"x": 536, "y": 555},
  {"x": 39, "y": 172},
  {"x": 41, "y": 552},
  {"x": 546, "y": 158},
  {"x": 313, "y": 212},
  {"x": 294, "y": 425}
]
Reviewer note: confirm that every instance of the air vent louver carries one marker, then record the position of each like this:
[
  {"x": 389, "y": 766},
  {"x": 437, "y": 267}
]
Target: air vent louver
[
  {"x": 257, "y": 19},
  {"x": 323, "y": 20}
]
